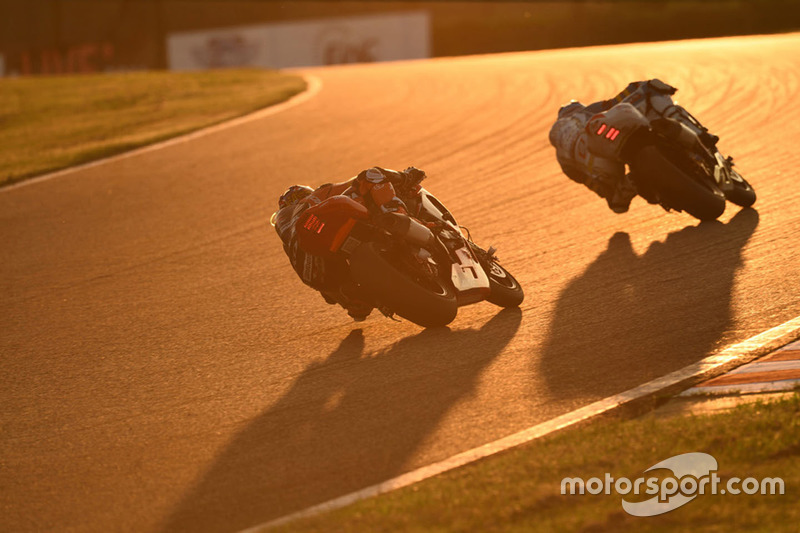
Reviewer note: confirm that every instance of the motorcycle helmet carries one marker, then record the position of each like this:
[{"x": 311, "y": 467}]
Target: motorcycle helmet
[
  {"x": 294, "y": 194},
  {"x": 572, "y": 107}
]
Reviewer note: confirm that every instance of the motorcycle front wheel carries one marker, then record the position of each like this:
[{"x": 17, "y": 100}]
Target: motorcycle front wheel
[
  {"x": 741, "y": 193},
  {"x": 506, "y": 290},
  {"x": 426, "y": 302}
]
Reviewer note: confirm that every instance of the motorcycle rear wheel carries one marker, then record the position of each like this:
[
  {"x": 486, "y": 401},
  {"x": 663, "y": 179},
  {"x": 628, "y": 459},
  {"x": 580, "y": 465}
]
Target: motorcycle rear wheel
[
  {"x": 429, "y": 304},
  {"x": 679, "y": 190}
]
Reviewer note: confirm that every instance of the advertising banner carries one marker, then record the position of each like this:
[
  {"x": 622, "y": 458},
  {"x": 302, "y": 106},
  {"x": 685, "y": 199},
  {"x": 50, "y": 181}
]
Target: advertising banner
[{"x": 360, "y": 39}]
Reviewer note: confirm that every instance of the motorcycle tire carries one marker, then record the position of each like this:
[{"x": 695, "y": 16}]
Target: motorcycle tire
[
  {"x": 506, "y": 290},
  {"x": 432, "y": 305},
  {"x": 700, "y": 198},
  {"x": 742, "y": 193}
]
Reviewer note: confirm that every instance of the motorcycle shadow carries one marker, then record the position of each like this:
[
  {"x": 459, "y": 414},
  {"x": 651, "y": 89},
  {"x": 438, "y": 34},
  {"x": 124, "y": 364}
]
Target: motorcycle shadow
[
  {"x": 347, "y": 422},
  {"x": 630, "y": 318}
]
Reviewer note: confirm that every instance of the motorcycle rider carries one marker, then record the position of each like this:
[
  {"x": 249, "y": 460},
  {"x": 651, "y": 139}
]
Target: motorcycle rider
[
  {"x": 594, "y": 154},
  {"x": 379, "y": 189}
]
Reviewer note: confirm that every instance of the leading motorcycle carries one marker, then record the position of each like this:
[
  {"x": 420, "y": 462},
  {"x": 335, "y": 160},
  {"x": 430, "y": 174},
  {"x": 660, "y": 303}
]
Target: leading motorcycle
[{"x": 671, "y": 163}]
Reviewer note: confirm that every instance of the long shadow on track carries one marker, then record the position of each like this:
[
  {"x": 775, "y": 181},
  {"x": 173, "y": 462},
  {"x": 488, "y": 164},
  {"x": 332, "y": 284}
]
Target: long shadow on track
[
  {"x": 347, "y": 422},
  {"x": 630, "y": 318}
]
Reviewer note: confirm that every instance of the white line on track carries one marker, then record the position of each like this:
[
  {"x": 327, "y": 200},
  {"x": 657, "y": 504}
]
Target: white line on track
[
  {"x": 735, "y": 355},
  {"x": 313, "y": 87},
  {"x": 745, "y": 388},
  {"x": 768, "y": 366}
]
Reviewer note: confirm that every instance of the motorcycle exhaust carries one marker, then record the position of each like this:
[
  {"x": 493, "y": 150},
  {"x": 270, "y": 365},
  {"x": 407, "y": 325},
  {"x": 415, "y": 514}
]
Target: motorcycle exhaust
[{"x": 407, "y": 228}]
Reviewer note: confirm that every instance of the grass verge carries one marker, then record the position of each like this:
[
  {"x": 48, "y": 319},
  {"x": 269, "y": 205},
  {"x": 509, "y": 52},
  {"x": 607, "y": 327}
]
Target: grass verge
[
  {"x": 50, "y": 123},
  {"x": 519, "y": 490}
]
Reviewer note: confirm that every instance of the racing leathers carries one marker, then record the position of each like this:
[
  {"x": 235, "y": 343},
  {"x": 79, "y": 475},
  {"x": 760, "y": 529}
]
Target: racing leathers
[
  {"x": 374, "y": 188},
  {"x": 591, "y": 140}
]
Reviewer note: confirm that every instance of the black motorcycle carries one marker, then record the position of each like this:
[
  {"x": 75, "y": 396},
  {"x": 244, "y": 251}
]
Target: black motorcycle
[{"x": 419, "y": 266}]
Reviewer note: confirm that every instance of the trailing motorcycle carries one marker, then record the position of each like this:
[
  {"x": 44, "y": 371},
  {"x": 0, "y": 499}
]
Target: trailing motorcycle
[{"x": 421, "y": 266}]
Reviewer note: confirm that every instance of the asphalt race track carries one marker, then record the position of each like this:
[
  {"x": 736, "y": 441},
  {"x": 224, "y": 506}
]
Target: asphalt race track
[{"x": 164, "y": 369}]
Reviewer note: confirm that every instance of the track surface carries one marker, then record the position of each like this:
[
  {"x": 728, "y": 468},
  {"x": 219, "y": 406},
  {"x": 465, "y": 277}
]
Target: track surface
[{"x": 163, "y": 367}]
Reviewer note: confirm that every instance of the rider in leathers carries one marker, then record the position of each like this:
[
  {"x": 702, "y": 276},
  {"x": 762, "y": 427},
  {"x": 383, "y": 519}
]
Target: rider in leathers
[
  {"x": 379, "y": 189},
  {"x": 592, "y": 153}
]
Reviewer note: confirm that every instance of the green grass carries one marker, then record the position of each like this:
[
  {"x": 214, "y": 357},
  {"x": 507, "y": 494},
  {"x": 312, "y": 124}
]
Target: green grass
[
  {"x": 49, "y": 123},
  {"x": 519, "y": 490}
]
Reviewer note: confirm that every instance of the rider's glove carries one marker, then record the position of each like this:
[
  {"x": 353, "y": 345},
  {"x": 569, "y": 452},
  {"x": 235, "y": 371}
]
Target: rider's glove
[{"x": 413, "y": 176}]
